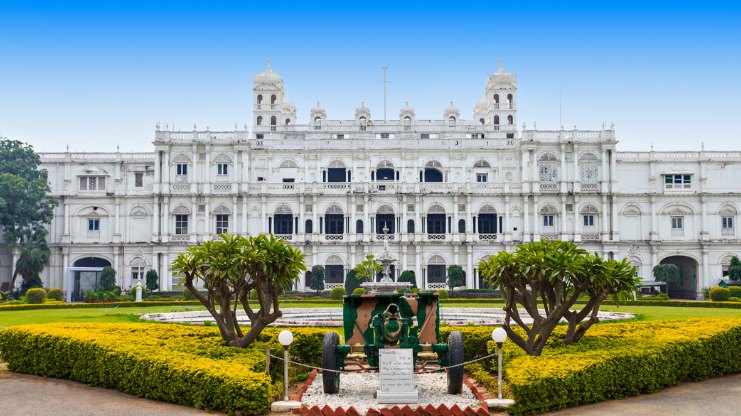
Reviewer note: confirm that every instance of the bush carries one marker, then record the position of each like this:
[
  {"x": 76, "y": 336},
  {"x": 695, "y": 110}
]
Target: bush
[
  {"x": 409, "y": 277},
  {"x": 36, "y": 295},
  {"x": 188, "y": 295},
  {"x": 337, "y": 293},
  {"x": 618, "y": 360},
  {"x": 152, "y": 280},
  {"x": 719, "y": 294},
  {"x": 187, "y": 365},
  {"x": 734, "y": 299},
  {"x": 359, "y": 291},
  {"x": 734, "y": 291},
  {"x": 107, "y": 279},
  {"x": 56, "y": 294},
  {"x": 442, "y": 294}
]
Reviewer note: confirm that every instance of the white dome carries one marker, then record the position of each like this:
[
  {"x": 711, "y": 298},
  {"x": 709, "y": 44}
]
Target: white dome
[
  {"x": 267, "y": 77},
  {"x": 452, "y": 110}
]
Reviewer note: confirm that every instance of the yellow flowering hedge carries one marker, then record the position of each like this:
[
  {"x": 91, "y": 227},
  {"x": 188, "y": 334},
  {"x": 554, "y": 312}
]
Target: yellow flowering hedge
[
  {"x": 617, "y": 360},
  {"x": 181, "y": 364}
]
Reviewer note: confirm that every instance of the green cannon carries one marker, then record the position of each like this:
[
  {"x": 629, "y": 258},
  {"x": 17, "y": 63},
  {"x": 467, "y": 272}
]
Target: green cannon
[{"x": 391, "y": 320}]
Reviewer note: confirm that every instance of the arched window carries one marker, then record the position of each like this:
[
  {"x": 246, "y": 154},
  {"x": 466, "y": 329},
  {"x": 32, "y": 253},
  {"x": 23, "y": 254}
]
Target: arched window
[
  {"x": 410, "y": 226},
  {"x": 487, "y": 220},
  {"x": 496, "y": 119},
  {"x": 482, "y": 121},
  {"x": 317, "y": 123},
  {"x": 259, "y": 120},
  {"x": 589, "y": 172},
  {"x": 309, "y": 227},
  {"x": 509, "y": 100},
  {"x": 334, "y": 270},
  {"x": 407, "y": 123},
  {"x": 385, "y": 171},
  {"x": 273, "y": 122},
  {"x": 451, "y": 121},
  {"x": 548, "y": 215},
  {"x": 436, "y": 220},
  {"x": 363, "y": 123},
  {"x": 510, "y": 120},
  {"x": 288, "y": 121},
  {"x": 336, "y": 172},
  {"x": 288, "y": 164},
  {"x": 359, "y": 226},
  {"x": 259, "y": 100},
  {"x": 385, "y": 218},
  {"x": 461, "y": 226},
  {"x": 481, "y": 163},
  {"x": 433, "y": 172},
  {"x": 548, "y": 169},
  {"x": 589, "y": 217},
  {"x": 436, "y": 270},
  {"x": 496, "y": 98},
  {"x": 334, "y": 220},
  {"x": 283, "y": 220},
  {"x": 273, "y": 99}
]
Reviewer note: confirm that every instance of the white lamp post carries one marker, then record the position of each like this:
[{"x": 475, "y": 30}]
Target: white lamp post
[
  {"x": 286, "y": 338},
  {"x": 499, "y": 335}
]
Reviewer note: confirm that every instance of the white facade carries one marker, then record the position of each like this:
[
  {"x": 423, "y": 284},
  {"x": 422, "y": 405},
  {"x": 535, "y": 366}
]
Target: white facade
[{"x": 450, "y": 191}]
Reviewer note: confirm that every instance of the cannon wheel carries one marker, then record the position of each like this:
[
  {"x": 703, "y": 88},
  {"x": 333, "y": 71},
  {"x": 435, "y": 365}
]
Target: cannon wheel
[
  {"x": 455, "y": 356},
  {"x": 330, "y": 379}
]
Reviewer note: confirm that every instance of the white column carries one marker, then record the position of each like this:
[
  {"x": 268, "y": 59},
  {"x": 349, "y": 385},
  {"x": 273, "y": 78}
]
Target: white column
[
  {"x": 207, "y": 221},
  {"x": 470, "y": 275},
  {"x": 244, "y": 214},
  {"x": 562, "y": 174},
  {"x": 165, "y": 235},
  {"x": 507, "y": 226},
  {"x": 120, "y": 273},
  {"x": 193, "y": 220},
  {"x": 563, "y": 219},
  {"x": 654, "y": 231},
  {"x": 525, "y": 176},
  {"x": 526, "y": 219},
  {"x": 66, "y": 216},
  {"x": 264, "y": 214},
  {"x": 117, "y": 219},
  {"x": 605, "y": 172},
  {"x": 207, "y": 174},
  {"x": 418, "y": 269},
  {"x": 605, "y": 222},
  {"x": 165, "y": 281},
  {"x": 65, "y": 266},
  {"x": 577, "y": 177},
  {"x": 705, "y": 274},
  {"x": 704, "y": 235},
  {"x": 156, "y": 219},
  {"x": 577, "y": 224}
]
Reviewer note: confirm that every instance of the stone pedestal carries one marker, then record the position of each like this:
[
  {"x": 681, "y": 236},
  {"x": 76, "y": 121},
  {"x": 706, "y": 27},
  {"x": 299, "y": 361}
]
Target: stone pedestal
[
  {"x": 284, "y": 406},
  {"x": 396, "y": 377}
]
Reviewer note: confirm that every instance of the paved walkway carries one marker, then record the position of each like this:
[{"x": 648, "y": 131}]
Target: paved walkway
[{"x": 27, "y": 395}]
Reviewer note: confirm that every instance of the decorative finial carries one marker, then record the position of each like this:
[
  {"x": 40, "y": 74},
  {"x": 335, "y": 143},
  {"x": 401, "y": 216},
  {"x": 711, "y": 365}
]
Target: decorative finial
[
  {"x": 702, "y": 145},
  {"x": 68, "y": 148},
  {"x": 269, "y": 62},
  {"x": 501, "y": 62},
  {"x": 194, "y": 127},
  {"x": 118, "y": 148},
  {"x": 652, "y": 147},
  {"x": 362, "y": 104}
]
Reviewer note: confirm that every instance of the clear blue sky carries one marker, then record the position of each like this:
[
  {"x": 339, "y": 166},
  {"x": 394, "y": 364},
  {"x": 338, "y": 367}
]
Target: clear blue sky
[{"x": 99, "y": 74}]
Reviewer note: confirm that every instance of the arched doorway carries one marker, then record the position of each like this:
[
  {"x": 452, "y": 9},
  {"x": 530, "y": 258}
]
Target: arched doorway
[
  {"x": 87, "y": 275},
  {"x": 686, "y": 288}
]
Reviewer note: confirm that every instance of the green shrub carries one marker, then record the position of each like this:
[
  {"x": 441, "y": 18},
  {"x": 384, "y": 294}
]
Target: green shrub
[
  {"x": 442, "y": 294},
  {"x": 734, "y": 291},
  {"x": 36, "y": 295},
  {"x": 188, "y": 295},
  {"x": 337, "y": 293},
  {"x": 734, "y": 299},
  {"x": 56, "y": 294},
  {"x": 107, "y": 279},
  {"x": 359, "y": 291},
  {"x": 719, "y": 294},
  {"x": 187, "y": 365}
]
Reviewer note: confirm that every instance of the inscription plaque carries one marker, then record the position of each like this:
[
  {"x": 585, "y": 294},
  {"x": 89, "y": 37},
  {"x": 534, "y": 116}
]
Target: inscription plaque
[{"x": 396, "y": 376}]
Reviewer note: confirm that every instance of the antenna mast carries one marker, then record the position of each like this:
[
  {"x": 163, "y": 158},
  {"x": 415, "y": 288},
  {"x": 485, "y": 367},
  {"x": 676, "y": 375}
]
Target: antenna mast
[{"x": 385, "y": 70}]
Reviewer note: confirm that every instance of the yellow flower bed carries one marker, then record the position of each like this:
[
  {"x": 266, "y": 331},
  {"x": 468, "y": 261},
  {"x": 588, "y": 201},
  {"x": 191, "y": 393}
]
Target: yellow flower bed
[
  {"x": 621, "y": 359},
  {"x": 175, "y": 363}
]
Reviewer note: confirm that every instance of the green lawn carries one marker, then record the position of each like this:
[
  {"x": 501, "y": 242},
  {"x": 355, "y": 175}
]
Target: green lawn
[{"x": 109, "y": 314}]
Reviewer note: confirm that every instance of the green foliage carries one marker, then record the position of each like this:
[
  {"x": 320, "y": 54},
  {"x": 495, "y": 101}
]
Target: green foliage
[
  {"x": 55, "y": 294},
  {"x": 187, "y": 295},
  {"x": 187, "y": 365},
  {"x": 351, "y": 281},
  {"x": 456, "y": 276},
  {"x": 33, "y": 256},
  {"x": 719, "y": 294},
  {"x": 233, "y": 266},
  {"x": 668, "y": 273},
  {"x": 36, "y": 295},
  {"x": 734, "y": 291},
  {"x": 442, "y": 294},
  {"x": 368, "y": 269},
  {"x": 107, "y": 279},
  {"x": 337, "y": 293},
  {"x": 734, "y": 299},
  {"x": 734, "y": 269},
  {"x": 359, "y": 291},
  {"x": 152, "y": 280},
  {"x": 556, "y": 274},
  {"x": 317, "y": 278},
  {"x": 35, "y": 281},
  {"x": 408, "y": 276}
]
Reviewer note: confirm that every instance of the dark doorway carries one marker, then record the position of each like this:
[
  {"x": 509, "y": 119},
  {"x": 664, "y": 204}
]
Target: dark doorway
[
  {"x": 86, "y": 280},
  {"x": 686, "y": 288}
]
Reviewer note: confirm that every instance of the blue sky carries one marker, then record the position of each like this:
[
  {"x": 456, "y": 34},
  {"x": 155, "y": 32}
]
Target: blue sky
[{"x": 95, "y": 75}]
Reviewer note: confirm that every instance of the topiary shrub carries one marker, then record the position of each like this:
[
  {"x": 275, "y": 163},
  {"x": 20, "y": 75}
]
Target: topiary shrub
[
  {"x": 719, "y": 294},
  {"x": 56, "y": 294},
  {"x": 36, "y": 295},
  {"x": 734, "y": 291},
  {"x": 337, "y": 293},
  {"x": 408, "y": 276},
  {"x": 442, "y": 294},
  {"x": 107, "y": 279},
  {"x": 359, "y": 291}
]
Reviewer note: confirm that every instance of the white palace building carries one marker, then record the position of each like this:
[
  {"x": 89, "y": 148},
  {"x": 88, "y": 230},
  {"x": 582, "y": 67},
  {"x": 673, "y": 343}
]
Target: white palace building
[{"x": 448, "y": 192}]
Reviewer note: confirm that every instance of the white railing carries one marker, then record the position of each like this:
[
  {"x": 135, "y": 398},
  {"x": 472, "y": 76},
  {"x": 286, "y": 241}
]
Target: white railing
[
  {"x": 180, "y": 188},
  {"x": 487, "y": 237},
  {"x": 222, "y": 187},
  {"x": 436, "y": 285},
  {"x": 550, "y": 236},
  {"x": 333, "y": 237},
  {"x": 548, "y": 187},
  {"x": 287, "y": 237},
  {"x": 435, "y": 237},
  {"x": 590, "y": 237},
  {"x": 180, "y": 238},
  {"x": 385, "y": 236},
  {"x": 589, "y": 187}
]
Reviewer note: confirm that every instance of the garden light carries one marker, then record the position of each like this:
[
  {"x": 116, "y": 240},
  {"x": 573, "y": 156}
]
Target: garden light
[
  {"x": 499, "y": 335},
  {"x": 285, "y": 338}
]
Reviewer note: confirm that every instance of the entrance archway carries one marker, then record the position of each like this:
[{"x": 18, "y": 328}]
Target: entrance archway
[
  {"x": 85, "y": 276},
  {"x": 686, "y": 288}
]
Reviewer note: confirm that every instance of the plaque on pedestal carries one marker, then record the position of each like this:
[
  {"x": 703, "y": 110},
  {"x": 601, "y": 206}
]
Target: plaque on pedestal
[{"x": 396, "y": 377}]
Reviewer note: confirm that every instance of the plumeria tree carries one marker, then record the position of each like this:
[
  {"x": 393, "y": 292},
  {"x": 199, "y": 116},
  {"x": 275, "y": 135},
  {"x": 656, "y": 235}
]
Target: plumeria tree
[
  {"x": 546, "y": 278},
  {"x": 229, "y": 269}
]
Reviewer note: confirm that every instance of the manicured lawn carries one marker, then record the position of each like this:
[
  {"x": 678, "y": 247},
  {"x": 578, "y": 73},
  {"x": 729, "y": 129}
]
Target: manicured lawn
[
  {"x": 103, "y": 314},
  {"x": 653, "y": 313}
]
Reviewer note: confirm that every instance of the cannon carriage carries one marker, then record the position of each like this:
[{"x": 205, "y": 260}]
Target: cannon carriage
[{"x": 390, "y": 320}]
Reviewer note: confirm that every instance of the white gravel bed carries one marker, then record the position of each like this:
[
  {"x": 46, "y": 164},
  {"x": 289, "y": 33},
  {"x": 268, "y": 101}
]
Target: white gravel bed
[{"x": 357, "y": 389}]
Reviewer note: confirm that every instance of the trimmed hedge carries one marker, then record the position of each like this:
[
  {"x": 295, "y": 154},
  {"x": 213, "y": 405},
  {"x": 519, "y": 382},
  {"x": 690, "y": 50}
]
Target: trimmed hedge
[
  {"x": 618, "y": 360},
  {"x": 26, "y": 307},
  {"x": 180, "y": 364}
]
